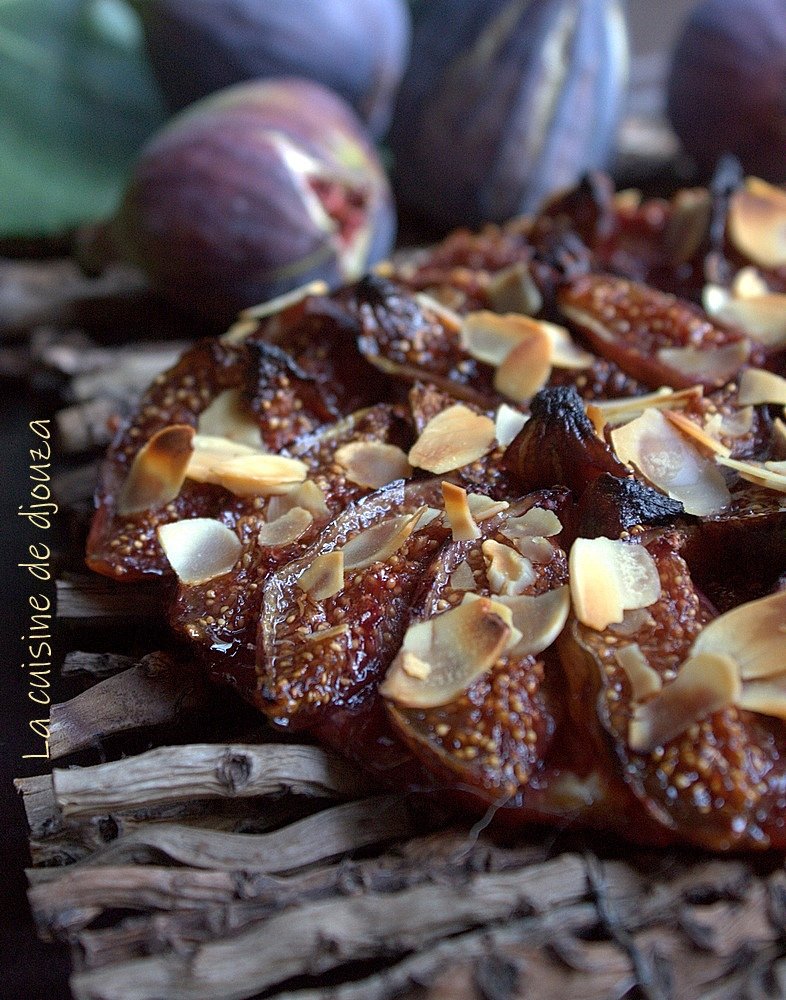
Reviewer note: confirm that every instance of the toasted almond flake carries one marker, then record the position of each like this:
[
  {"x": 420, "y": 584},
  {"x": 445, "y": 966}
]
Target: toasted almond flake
[
  {"x": 706, "y": 683},
  {"x": 526, "y": 369},
  {"x": 483, "y": 507},
  {"x": 633, "y": 622},
  {"x": 695, "y": 431},
  {"x": 536, "y": 522},
  {"x": 508, "y": 423},
  {"x": 462, "y": 577},
  {"x": 158, "y": 470},
  {"x": 539, "y": 619},
  {"x": 536, "y": 548},
  {"x": 671, "y": 463},
  {"x": 779, "y": 438},
  {"x": 384, "y": 268},
  {"x": 459, "y": 515},
  {"x": 282, "y": 302},
  {"x": 324, "y": 577},
  {"x": 756, "y": 473},
  {"x": 779, "y": 467},
  {"x": 749, "y": 283},
  {"x": 413, "y": 666},
  {"x": 307, "y": 495},
  {"x": 458, "y": 646},
  {"x": 210, "y": 451},
  {"x": 258, "y": 475},
  {"x": 620, "y": 411},
  {"x": 627, "y": 200},
  {"x": 512, "y": 290},
  {"x": 239, "y": 331},
  {"x": 489, "y": 337},
  {"x": 372, "y": 463},
  {"x": 757, "y": 222},
  {"x": 733, "y": 425},
  {"x": 228, "y": 416},
  {"x": 710, "y": 364},
  {"x": 323, "y": 634},
  {"x": 286, "y": 529},
  {"x": 448, "y": 317},
  {"x": 762, "y": 318},
  {"x": 379, "y": 542},
  {"x": 752, "y": 634},
  {"x": 609, "y": 577},
  {"x": 507, "y": 570},
  {"x": 453, "y": 438},
  {"x": 765, "y": 697},
  {"x": 565, "y": 352},
  {"x": 199, "y": 549},
  {"x": 759, "y": 386},
  {"x": 644, "y": 681}
]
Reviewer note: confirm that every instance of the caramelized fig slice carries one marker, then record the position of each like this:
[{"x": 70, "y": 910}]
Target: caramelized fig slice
[
  {"x": 651, "y": 335},
  {"x": 317, "y": 656},
  {"x": 716, "y": 783},
  {"x": 492, "y": 735},
  {"x": 558, "y": 445}
]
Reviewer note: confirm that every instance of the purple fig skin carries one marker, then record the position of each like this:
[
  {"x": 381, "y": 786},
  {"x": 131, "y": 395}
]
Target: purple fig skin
[
  {"x": 357, "y": 48},
  {"x": 221, "y": 212},
  {"x": 727, "y": 86},
  {"x": 505, "y": 103}
]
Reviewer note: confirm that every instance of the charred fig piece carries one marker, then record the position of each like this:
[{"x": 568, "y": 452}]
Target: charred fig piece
[
  {"x": 652, "y": 335},
  {"x": 253, "y": 192},
  {"x": 356, "y": 48},
  {"x": 611, "y": 506},
  {"x": 493, "y": 735},
  {"x": 586, "y": 209},
  {"x": 558, "y": 445},
  {"x": 715, "y": 781},
  {"x": 316, "y": 657},
  {"x": 486, "y": 127}
]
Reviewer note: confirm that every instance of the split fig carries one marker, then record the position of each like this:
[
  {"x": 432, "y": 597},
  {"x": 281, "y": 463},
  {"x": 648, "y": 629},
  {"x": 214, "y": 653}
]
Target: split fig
[
  {"x": 505, "y": 103},
  {"x": 357, "y": 48},
  {"x": 727, "y": 85},
  {"x": 253, "y": 192}
]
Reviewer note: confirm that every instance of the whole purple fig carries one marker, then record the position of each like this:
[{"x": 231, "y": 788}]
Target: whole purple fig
[
  {"x": 358, "y": 48},
  {"x": 505, "y": 102},
  {"x": 727, "y": 87},
  {"x": 253, "y": 192}
]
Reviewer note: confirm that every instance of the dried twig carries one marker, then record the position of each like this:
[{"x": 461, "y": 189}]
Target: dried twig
[
  {"x": 95, "y": 597},
  {"x": 96, "y": 666}
]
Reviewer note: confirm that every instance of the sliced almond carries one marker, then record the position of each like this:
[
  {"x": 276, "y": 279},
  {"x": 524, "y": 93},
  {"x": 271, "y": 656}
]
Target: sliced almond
[
  {"x": 759, "y": 386},
  {"x": 565, "y": 352},
  {"x": 285, "y": 529},
  {"x": 507, "y": 570},
  {"x": 757, "y": 222},
  {"x": 537, "y": 522},
  {"x": 459, "y": 515},
  {"x": 644, "y": 681},
  {"x": 765, "y": 697},
  {"x": 633, "y": 622},
  {"x": 447, "y": 316},
  {"x": 732, "y": 425},
  {"x": 323, "y": 634},
  {"x": 752, "y": 634},
  {"x": 199, "y": 549},
  {"x": 707, "y": 364},
  {"x": 372, "y": 463},
  {"x": 756, "y": 473},
  {"x": 258, "y": 475},
  {"x": 749, "y": 283},
  {"x": 453, "y": 438},
  {"x": 458, "y": 646},
  {"x": 762, "y": 318},
  {"x": 462, "y": 577},
  {"x": 482, "y": 507},
  {"x": 539, "y": 619},
  {"x": 489, "y": 337},
  {"x": 526, "y": 369},
  {"x": 282, "y": 302},
  {"x": 307, "y": 495},
  {"x": 696, "y": 432},
  {"x": 671, "y": 463},
  {"x": 620, "y": 411},
  {"x": 379, "y": 542},
  {"x": 513, "y": 290},
  {"x": 508, "y": 423},
  {"x": 324, "y": 577},
  {"x": 609, "y": 577},
  {"x": 706, "y": 683},
  {"x": 228, "y": 416},
  {"x": 536, "y": 548},
  {"x": 210, "y": 451},
  {"x": 779, "y": 438},
  {"x": 158, "y": 470}
]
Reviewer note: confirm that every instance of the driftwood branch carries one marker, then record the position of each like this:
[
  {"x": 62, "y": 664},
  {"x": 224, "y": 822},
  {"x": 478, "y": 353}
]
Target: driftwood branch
[
  {"x": 75, "y": 486},
  {"x": 88, "y": 425},
  {"x": 157, "y": 690},
  {"x": 197, "y": 771},
  {"x": 94, "y": 597},
  {"x": 95, "y": 666}
]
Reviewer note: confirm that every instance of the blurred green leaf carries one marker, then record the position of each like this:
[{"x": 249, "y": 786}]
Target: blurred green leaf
[{"x": 77, "y": 101}]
